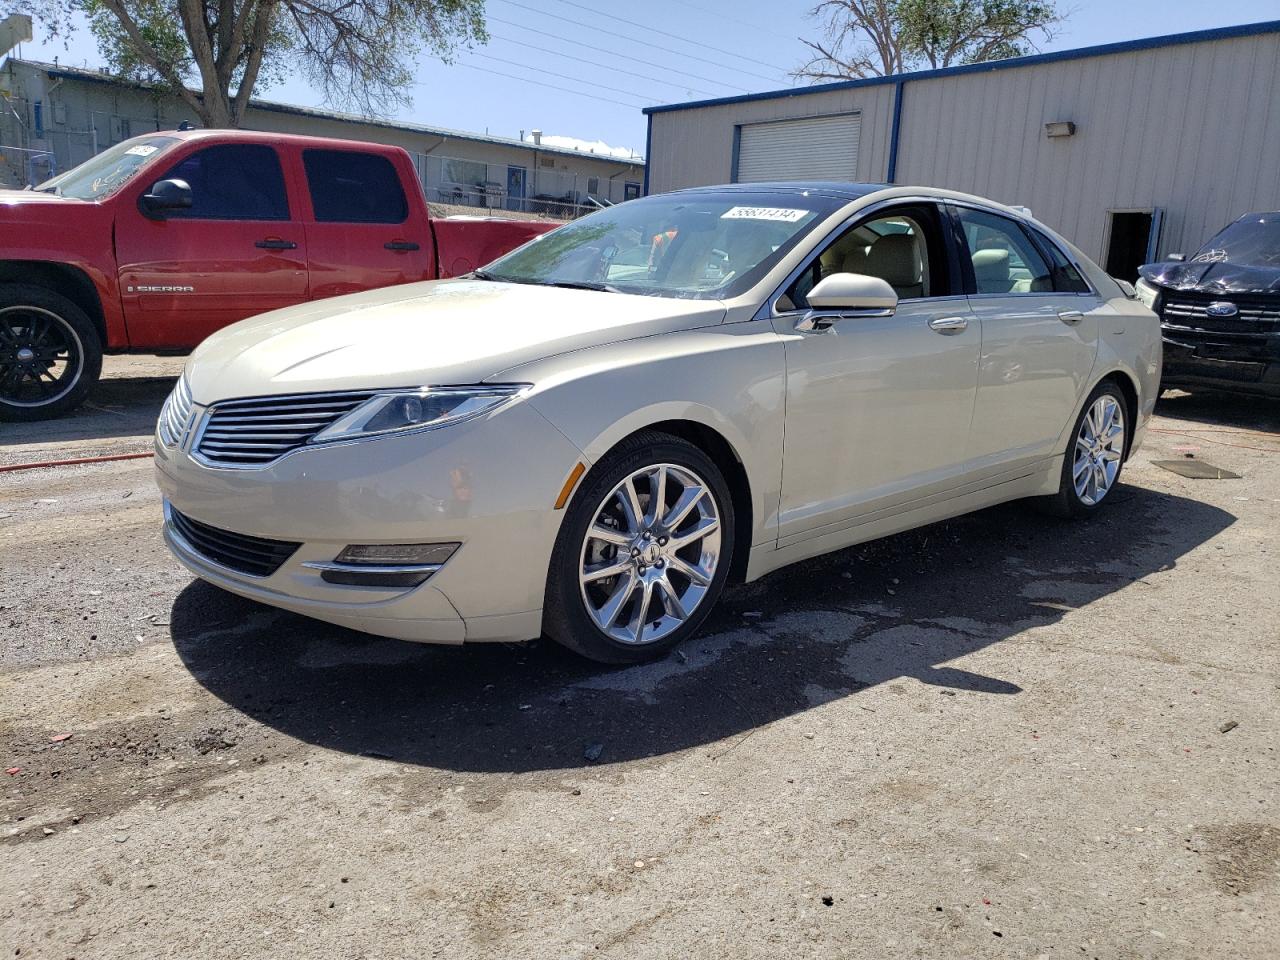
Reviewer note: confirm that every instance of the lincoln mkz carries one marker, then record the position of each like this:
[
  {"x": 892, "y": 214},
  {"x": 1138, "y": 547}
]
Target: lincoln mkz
[{"x": 592, "y": 435}]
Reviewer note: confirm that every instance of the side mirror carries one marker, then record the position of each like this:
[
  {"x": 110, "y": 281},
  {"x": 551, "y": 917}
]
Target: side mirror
[
  {"x": 165, "y": 195},
  {"x": 1176, "y": 257},
  {"x": 847, "y": 295}
]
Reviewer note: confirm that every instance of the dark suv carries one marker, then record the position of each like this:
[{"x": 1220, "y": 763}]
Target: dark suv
[{"x": 1220, "y": 310}]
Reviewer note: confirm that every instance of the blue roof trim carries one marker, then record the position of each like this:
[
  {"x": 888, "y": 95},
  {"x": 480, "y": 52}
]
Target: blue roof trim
[{"x": 1080, "y": 53}]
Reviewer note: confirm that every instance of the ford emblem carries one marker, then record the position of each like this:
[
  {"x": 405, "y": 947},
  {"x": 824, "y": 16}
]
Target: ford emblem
[{"x": 1222, "y": 308}]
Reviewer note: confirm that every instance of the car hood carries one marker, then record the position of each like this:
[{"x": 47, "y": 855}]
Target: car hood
[
  {"x": 438, "y": 332},
  {"x": 11, "y": 198},
  {"x": 1213, "y": 277}
]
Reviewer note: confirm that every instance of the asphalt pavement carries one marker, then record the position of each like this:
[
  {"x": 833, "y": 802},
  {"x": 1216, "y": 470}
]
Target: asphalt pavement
[{"x": 999, "y": 736}]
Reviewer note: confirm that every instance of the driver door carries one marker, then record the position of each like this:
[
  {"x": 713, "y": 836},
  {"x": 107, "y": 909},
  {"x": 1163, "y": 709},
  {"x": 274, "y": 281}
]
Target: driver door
[
  {"x": 239, "y": 250},
  {"x": 878, "y": 409}
]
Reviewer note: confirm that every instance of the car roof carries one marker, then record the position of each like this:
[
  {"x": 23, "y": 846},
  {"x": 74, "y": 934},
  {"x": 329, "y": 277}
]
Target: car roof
[{"x": 831, "y": 188}]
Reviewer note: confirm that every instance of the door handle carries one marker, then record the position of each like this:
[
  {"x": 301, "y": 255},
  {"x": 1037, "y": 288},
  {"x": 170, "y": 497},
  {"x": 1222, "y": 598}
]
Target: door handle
[
  {"x": 401, "y": 245},
  {"x": 948, "y": 324},
  {"x": 1070, "y": 316},
  {"x": 275, "y": 243}
]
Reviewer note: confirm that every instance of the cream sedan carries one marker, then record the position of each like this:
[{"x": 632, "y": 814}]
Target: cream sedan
[{"x": 590, "y": 437}]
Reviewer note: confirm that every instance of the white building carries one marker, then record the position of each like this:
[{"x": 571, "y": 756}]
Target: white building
[
  {"x": 1131, "y": 150},
  {"x": 53, "y": 117}
]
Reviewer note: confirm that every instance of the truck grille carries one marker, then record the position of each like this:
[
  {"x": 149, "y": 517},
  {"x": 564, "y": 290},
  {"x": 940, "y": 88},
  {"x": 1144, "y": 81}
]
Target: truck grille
[
  {"x": 255, "y": 432},
  {"x": 1256, "y": 314},
  {"x": 255, "y": 556}
]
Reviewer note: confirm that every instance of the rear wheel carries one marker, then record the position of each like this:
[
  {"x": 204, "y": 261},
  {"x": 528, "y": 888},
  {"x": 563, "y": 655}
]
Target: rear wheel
[
  {"x": 50, "y": 353},
  {"x": 1095, "y": 453},
  {"x": 643, "y": 553}
]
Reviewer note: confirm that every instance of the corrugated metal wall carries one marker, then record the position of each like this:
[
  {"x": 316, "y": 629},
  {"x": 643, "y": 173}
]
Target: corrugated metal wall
[
  {"x": 1194, "y": 129},
  {"x": 695, "y": 147}
]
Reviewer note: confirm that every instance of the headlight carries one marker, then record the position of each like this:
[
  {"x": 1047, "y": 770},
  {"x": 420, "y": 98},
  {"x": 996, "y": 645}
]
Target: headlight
[
  {"x": 1146, "y": 293},
  {"x": 425, "y": 408}
]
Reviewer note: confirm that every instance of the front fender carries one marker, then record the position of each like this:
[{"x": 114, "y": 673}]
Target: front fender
[{"x": 730, "y": 379}]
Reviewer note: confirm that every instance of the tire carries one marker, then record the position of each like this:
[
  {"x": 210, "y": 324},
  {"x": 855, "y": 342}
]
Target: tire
[
  {"x": 1099, "y": 461},
  {"x": 646, "y": 553},
  {"x": 50, "y": 353}
]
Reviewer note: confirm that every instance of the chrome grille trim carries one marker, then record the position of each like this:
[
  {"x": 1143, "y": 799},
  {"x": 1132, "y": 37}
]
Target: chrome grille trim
[
  {"x": 175, "y": 416},
  {"x": 1255, "y": 314},
  {"x": 257, "y": 431}
]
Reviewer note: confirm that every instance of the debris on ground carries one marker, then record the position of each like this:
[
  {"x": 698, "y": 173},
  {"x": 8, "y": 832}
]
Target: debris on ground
[
  {"x": 1228, "y": 726},
  {"x": 592, "y": 752}
]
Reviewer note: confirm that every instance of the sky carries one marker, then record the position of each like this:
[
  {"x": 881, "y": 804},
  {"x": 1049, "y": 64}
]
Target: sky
[{"x": 583, "y": 69}]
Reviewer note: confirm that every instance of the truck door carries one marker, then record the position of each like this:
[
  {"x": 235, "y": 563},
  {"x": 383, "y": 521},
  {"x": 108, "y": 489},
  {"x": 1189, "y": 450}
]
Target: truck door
[
  {"x": 361, "y": 235},
  {"x": 238, "y": 251}
]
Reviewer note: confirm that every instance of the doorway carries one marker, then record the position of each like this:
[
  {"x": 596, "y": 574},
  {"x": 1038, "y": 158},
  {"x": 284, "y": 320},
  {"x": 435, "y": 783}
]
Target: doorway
[
  {"x": 515, "y": 188},
  {"x": 1132, "y": 240}
]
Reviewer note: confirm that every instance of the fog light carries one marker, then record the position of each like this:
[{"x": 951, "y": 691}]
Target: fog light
[
  {"x": 384, "y": 564},
  {"x": 395, "y": 554}
]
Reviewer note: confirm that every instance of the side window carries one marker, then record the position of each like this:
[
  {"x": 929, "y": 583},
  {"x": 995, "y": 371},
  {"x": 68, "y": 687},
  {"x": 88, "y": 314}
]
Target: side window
[
  {"x": 1004, "y": 258},
  {"x": 238, "y": 181},
  {"x": 351, "y": 187},
  {"x": 1066, "y": 278},
  {"x": 902, "y": 247}
]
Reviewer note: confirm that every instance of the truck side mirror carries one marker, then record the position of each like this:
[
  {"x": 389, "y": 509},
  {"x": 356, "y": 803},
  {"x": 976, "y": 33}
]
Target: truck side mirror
[{"x": 165, "y": 195}]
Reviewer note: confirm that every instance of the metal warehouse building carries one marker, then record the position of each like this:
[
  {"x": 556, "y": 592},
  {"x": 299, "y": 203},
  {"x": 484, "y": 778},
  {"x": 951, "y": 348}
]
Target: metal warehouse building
[{"x": 1131, "y": 150}]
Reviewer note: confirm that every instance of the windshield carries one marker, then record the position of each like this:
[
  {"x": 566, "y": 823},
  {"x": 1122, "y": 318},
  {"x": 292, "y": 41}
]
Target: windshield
[
  {"x": 1253, "y": 241},
  {"x": 106, "y": 173},
  {"x": 702, "y": 246}
]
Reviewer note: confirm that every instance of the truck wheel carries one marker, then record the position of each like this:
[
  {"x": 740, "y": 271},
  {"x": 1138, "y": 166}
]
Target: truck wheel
[{"x": 50, "y": 353}]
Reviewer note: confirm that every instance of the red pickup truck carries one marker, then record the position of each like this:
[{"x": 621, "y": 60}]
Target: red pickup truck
[{"x": 157, "y": 242}]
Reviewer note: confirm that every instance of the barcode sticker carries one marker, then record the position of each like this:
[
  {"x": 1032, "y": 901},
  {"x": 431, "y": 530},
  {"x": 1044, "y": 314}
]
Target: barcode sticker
[{"x": 781, "y": 214}]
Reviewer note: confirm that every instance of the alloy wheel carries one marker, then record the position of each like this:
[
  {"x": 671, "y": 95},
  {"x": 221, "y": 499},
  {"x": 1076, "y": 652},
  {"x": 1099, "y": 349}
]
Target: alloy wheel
[
  {"x": 1099, "y": 450},
  {"x": 41, "y": 356},
  {"x": 650, "y": 554}
]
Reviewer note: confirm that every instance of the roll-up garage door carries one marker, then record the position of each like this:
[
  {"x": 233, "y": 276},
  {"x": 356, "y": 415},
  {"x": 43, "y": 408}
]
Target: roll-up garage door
[{"x": 815, "y": 148}]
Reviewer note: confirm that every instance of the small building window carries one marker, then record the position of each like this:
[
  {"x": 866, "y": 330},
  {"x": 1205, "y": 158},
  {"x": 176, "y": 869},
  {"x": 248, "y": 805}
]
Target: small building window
[{"x": 593, "y": 185}]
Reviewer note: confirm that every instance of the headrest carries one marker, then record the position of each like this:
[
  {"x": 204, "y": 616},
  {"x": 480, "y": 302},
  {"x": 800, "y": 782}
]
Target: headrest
[
  {"x": 991, "y": 266},
  {"x": 893, "y": 258}
]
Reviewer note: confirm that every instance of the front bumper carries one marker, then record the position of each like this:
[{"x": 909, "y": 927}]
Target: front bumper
[
  {"x": 1238, "y": 362},
  {"x": 488, "y": 484}
]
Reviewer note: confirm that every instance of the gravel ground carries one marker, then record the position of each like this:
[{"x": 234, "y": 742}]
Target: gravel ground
[{"x": 999, "y": 736}]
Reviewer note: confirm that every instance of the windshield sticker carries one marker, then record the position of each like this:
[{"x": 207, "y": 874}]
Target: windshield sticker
[
  {"x": 142, "y": 150},
  {"x": 780, "y": 214}
]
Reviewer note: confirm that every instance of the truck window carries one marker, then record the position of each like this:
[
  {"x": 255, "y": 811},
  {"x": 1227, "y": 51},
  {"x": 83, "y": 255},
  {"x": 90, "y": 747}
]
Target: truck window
[
  {"x": 352, "y": 187},
  {"x": 233, "y": 182}
]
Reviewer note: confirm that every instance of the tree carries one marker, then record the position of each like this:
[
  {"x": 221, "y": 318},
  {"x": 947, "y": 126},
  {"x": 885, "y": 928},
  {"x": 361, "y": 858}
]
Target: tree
[
  {"x": 357, "y": 53},
  {"x": 870, "y": 38}
]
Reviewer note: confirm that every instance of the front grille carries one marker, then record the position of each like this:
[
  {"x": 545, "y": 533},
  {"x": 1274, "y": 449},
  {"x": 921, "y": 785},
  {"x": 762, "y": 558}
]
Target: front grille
[
  {"x": 256, "y": 556},
  {"x": 254, "y": 432},
  {"x": 175, "y": 414},
  {"x": 1256, "y": 314}
]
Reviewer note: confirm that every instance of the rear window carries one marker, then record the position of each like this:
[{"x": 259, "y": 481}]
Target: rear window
[{"x": 352, "y": 187}]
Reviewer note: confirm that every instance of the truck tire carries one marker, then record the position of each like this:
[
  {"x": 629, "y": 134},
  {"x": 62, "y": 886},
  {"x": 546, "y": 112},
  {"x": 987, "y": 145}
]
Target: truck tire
[{"x": 50, "y": 353}]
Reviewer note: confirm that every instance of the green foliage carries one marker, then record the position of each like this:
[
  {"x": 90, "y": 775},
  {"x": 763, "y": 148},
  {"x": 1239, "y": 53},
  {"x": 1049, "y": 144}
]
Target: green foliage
[
  {"x": 358, "y": 53},
  {"x": 863, "y": 38}
]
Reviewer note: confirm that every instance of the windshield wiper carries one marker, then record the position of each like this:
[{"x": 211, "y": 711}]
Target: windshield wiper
[{"x": 581, "y": 285}]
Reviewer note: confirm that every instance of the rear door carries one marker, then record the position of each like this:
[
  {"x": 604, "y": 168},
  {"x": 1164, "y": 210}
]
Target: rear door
[
  {"x": 1039, "y": 338},
  {"x": 239, "y": 250},
  {"x": 361, "y": 234}
]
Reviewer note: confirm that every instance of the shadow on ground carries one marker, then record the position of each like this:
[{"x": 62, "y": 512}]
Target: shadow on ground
[
  {"x": 1221, "y": 409},
  {"x": 116, "y": 407},
  {"x": 808, "y": 634}
]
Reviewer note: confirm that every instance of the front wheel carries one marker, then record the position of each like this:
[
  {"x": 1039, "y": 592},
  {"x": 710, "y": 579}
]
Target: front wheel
[
  {"x": 643, "y": 552},
  {"x": 50, "y": 353},
  {"x": 1095, "y": 454}
]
